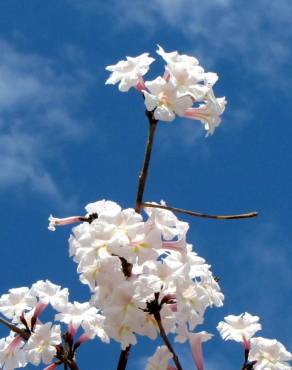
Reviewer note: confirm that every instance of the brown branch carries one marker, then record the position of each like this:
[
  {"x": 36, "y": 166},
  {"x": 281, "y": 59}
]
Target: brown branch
[
  {"x": 122, "y": 364},
  {"x": 15, "y": 329},
  {"x": 144, "y": 171},
  {"x": 124, "y": 358},
  {"x": 202, "y": 215},
  {"x": 166, "y": 341}
]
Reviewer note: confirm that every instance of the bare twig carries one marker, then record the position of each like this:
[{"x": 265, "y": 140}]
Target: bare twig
[
  {"x": 144, "y": 172},
  {"x": 123, "y": 358},
  {"x": 166, "y": 341},
  {"x": 202, "y": 215},
  {"x": 122, "y": 364},
  {"x": 15, "y": 329}
]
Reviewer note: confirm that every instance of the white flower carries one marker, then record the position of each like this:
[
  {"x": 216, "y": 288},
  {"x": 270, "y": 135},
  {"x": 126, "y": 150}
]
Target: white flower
[
  {"x": 103, "y": 207},
  {"x": 159, "y": 361},
  {"x": 211, "y": 289},
  {"x": 48, "y": 292},
  {"x": 11, "y": 355},
  {"x": 140, "y": 248},
  {"x": 94, "y": 328},
  {"x": 175, "y": 57},
  {"x": 191, "y": 303},
  {"x": 239, "y": 328},
  {"x": 129, "y": 72},
  {"x": 41, "y": 344},
  {"x": 13, "y": 304},
  {"x": 75, "y": 313},
  {"x": 163, "y": 97},
  {"x": 269, "y": 354},
  {"x": 166, "y": 222},
  {"x": 209, "y": 113},
  {"x": 98, "y": 268}
]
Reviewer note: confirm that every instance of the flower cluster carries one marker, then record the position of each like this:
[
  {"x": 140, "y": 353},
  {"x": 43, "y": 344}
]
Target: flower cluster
[
  {"x": 142, "y": 272},
  {"x": 261, "y": 353},
  {"x": 185, "y": 89},
  {"x": 31, "y": 341}
]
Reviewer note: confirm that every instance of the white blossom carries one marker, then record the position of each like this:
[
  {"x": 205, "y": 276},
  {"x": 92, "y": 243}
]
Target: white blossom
[
  {"x": 41, "y": 344},
  {"x": 103, "y": 208},
  {"x": 269, "y": 354},
  {"x": 75, "y": 313},
  {"x": 47, "y": 292},
  {"x": 164, "y": 98},
  {"x": 191, "y": 303},
  {"x": 12, "y": 356},
  {"x": 18, "y": 300},
  {"x": 175, "y": 57},
  {"x": 166, "y": 222},
  {"x": 209, "y": 112},
  {"x": 95, "y": 328},
  {"x": 239, "y": 328},
  {"x": 129, "y": 71}
]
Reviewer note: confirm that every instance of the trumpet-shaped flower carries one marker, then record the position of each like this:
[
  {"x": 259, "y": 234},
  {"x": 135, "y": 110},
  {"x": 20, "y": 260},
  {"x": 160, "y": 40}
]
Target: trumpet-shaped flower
[
  {"x": 239, "y": 328},
  {"x": 95, "y": 328},
  {"x": 196, "y": 340},
  {"x": 14, "y": 303},
  {"x": 209, "y": 113},
  {"x": 48, "y": 292},
  {"x": 163, "y": 97},
  {"x": 269, "y": 354},
  {"x": 166, "y": 222},
  {"x": 12, "y": 356},
  {"x": 175, "y": 57},
  {"x": 41, "y": 344},
  {"x": 129, "y": 72},
  {"x": 75, "y": 313}
]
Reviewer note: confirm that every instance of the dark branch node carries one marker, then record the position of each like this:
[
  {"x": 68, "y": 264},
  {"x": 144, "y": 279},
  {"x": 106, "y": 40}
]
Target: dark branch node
[{"x": 90, "y": 218}]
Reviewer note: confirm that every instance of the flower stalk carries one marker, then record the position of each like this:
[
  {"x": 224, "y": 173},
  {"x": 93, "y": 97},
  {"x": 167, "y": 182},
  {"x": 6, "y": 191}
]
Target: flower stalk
[
  {"x": 166, "y": 340},
  {"x": 144, "y": 172},
  {"x": 202, "y": 215},
  {"x": 123, "y": 359}
]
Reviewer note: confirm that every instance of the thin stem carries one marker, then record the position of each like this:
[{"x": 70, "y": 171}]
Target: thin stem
[
  {"x": 124, "y": 358},
  {"x": 202, "y": 215},
  {"x": 166, "y": 341},
  {"x": 122, "y": 364},
  {"x": 246, "y": 364},
  {"x": 144, "y": 171},
  {"x": 15, "y": 329}
]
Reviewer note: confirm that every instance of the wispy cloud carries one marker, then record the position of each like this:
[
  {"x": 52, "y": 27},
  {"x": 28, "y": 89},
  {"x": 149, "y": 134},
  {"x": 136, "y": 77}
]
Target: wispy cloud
[
  {"x": 256, "y": 35},
  {"x": 266, "y": 257},
  {"x": 39, "y": 107}
]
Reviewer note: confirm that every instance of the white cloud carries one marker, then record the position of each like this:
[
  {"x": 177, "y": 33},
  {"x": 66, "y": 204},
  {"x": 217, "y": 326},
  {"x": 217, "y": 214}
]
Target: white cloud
[
  {"x": 257, "y": 34},
  {"x": 39, "y": 107},
  {"x": 266, "y": 258}
]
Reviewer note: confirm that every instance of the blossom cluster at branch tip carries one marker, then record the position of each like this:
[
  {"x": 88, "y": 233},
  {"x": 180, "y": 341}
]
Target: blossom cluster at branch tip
[
  {"x": 263, "y": 353},
  {"x": 185, "y": 89},
  {"x": 162, "y": 262}
]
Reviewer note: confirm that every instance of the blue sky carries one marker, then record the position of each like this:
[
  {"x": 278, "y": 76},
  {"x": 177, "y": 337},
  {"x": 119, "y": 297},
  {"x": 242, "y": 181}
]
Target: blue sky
[{"x": 66, "y": 140}]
